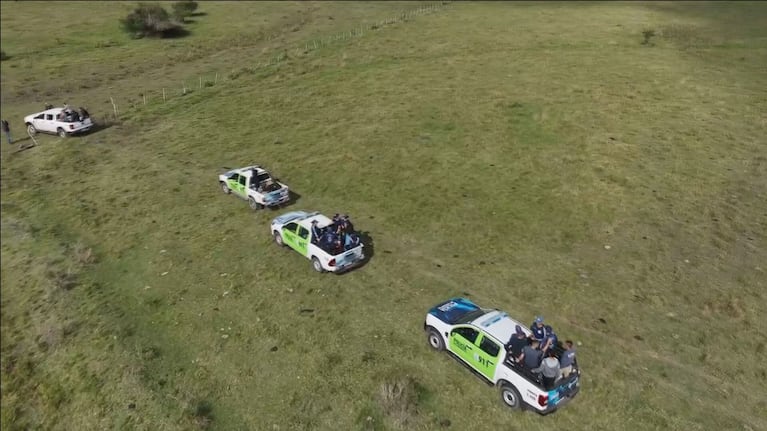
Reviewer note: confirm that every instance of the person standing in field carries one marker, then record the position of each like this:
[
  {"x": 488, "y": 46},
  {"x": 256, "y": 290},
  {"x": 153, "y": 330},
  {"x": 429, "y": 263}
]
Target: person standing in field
[{"x": 7, "y": 130}]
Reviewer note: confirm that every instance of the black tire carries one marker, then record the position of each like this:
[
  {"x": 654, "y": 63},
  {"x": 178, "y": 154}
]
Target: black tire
[
  {"x": 435, "y": 340},
  {"x": 255, "y": 206},
  {"x": 278, "y": 239},
  {"x": 317, "y": 265},
  {"x": 61, "y": 132},
  {"x": 510, "y": 396},
  {"x": 31, "y": 129},
  {"x": 225, "y": 188}
]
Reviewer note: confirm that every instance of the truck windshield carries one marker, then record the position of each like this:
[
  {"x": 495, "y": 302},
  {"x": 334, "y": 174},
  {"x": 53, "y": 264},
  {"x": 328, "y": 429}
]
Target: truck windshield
[{"x": 470, "y": 316}]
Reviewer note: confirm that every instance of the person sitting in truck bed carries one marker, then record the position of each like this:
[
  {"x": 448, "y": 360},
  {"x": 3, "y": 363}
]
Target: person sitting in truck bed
[
  {"x": 543, "y": 333},
  {"x": 316, "y": 232},
  {"x": 328, "y": 241},
  {"x": 351, "y": 240},
  {"x": 549, "y": 369},
  {"x": 531, "y": 355},
  {"x": 517, "y": 344}
]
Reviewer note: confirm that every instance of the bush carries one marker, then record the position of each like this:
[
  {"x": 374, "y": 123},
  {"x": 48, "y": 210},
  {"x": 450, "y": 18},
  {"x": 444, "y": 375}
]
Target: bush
[
  {"x": 150, "y": 20},
  {"x": 398, "y": 399},
  {"x": 3, "y": 56},
  {"x": 183, "y": 9}
]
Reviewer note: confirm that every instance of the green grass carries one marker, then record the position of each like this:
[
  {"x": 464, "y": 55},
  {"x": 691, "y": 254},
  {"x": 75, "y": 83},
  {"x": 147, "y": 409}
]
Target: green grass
[{"x": 489, "y": 149}]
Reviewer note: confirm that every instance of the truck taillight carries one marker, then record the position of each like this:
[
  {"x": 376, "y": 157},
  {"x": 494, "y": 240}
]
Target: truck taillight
[
  {"x": 332, "y": 262},
  {"x": 543, "y": 400},
  {"x": 71, "y": 127}
]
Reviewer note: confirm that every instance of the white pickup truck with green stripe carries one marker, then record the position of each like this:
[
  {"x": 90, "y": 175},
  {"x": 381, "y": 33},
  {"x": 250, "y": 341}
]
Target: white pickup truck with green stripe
[
  {"x": 294, "y": 230},
  {"x": 255, "y": 185},
  {"x": 477, "y": 337}
]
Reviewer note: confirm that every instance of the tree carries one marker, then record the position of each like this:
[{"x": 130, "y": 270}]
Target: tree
[
  {"x": 150, "y": 20},
  {"x": 183, "y": 9}
]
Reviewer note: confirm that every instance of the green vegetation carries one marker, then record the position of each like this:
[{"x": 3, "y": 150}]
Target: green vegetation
[
  {"x": 544, "y": 162},
  {"x": 150, "y": 20},
  {"x": 184, "y": 9}
]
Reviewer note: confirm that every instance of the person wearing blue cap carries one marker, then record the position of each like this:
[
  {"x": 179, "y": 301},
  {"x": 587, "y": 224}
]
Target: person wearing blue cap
[{"x": 543, "y": 333}]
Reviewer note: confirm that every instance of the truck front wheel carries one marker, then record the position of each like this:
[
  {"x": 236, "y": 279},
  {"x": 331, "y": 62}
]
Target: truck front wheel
[
  {"x": 61, "y": 133},
  {"x": 435, "y": 340}
]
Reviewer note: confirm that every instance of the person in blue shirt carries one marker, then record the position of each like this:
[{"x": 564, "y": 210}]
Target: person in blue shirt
[
  {"x": 350, "y": 241},
  {"x": 567, "y": 360},
  {"x": 329, "y": 240},
  {"x": 543, "y": 333}
]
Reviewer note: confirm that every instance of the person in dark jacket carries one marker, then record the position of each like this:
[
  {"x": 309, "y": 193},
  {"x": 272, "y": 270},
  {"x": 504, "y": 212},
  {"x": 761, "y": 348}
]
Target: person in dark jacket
[
  {"x": 517, "y": 344},
  {"x": 7, "y": 130},
  {"x": 316, "y": 232}
]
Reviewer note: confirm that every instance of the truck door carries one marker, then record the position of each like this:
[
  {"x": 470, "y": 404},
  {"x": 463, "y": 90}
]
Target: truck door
[
  {"x": 289, "y": 236},
  {"x": 462, "y": 343},
  {"x": 302, "y": 241},
  {"x": 233, "y": 182},
  {"x": 488, "y": 356},
  {"x": 243, "y": 192}
]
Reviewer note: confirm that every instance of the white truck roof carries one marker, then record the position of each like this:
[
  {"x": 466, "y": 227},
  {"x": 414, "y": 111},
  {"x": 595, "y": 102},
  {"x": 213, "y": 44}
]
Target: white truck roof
[{"x": 499, "y": 325}]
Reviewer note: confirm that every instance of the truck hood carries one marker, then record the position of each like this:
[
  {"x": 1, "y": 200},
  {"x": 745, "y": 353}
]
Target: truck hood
[{"x": 452, "y": 310}]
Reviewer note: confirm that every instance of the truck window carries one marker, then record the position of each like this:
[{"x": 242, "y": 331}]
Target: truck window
[
  {"x": 40, "y": 117},
  {"x": 291, "y": 226},
  {"x": 49, "y": 117},
  {"x": 242, "y": 180},
  {"x": 235, "y": 177},
  {"x": 303, "y": 232},
  {"x": 488, "y": 346},
  {"x": 469, "y": 334}
]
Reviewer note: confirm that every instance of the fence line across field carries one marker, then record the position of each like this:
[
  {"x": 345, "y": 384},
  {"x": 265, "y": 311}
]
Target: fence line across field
[{"x": 275, "y": 59}]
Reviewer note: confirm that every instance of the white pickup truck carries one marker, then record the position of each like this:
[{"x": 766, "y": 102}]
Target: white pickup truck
[
  {"x": 256, "y": 185},
  {"x": 59, "y": 121},
  {"x": 476, "y": 337},
  {"x": 294, "y": 230}
]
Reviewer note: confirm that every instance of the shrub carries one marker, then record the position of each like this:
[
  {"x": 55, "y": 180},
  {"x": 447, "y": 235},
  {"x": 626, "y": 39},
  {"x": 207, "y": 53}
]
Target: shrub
[
  {"x": 398, "y": 399},
  {"x": 183, "y": 9},
  {"x": 647, "y": 35},
  {"x": 3, "y": 56},
  {"x": 150, "y": 20}
]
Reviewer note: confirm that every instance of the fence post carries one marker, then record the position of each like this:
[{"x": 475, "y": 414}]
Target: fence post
[
  {"x": 200, "y": 81},
  {"x": 216, "y": 81},
  {"x": 184, "y": 85},
  {"x": 114, "y": 106}
]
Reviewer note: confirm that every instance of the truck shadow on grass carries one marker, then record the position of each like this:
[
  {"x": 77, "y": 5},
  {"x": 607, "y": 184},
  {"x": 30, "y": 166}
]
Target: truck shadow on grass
[{"x": 294, "y": 197}]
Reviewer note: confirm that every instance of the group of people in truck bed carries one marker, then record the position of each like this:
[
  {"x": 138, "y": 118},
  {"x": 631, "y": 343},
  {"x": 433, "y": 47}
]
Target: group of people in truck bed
[
  {"x": 537, "y": 353},
  {"x": 337, "y": 237}
]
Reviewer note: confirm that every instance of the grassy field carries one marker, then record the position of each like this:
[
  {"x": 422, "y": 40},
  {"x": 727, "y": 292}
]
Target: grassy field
[{"x": 537, "y": 157}]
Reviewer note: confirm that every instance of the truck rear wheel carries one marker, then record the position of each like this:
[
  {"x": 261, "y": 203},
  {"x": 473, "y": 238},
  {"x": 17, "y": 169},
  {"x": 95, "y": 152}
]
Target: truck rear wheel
[
  {"x": 254, "y": 205},
  {"x": 510, "y": 396},
  {"x": 61, "y": 132},
  {"x": 317, "y": 265}
]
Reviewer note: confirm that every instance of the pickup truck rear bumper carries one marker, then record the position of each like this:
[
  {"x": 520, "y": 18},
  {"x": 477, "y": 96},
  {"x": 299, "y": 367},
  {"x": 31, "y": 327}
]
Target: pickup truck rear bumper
[{"x": 349, "y": 266}]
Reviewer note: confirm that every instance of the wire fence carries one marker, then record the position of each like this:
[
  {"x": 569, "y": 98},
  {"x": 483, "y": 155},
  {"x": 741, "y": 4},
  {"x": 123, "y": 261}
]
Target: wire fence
[{"x": 200, "y": 82}]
